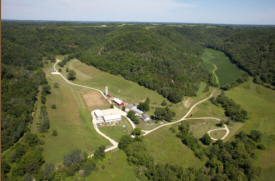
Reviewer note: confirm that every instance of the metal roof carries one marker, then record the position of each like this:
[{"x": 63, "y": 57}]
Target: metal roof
[
  {"x": 99, "y": 113},
  {"x": 137, "y": 110},
  {"x": 117, "y": 101},
  {"x": 112, "y": 117}
]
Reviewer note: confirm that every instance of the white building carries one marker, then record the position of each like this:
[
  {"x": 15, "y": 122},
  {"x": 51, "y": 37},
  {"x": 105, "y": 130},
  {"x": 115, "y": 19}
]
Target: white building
[
  {"x": 137, "y": 111},
  {"x": 145, "y": 117},
  {"x": 98, "y": 113},
  {"x": 115, "y": 117}
]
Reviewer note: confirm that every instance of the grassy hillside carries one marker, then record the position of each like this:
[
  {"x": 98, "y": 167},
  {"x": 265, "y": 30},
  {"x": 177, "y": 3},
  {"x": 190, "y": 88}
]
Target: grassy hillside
[
  {"x": 260, "y": 105},
  {"x": 220, "y": 66},
  {"x": 72, "y": 121},
  {"x": 165, "y": 147}
]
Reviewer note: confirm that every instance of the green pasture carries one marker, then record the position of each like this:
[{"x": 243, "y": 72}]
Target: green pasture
[
  {"x": 116, "y": 168},
  {"x": 219, "y": 64},
  {"x": 199, "y": 127},
  {"x": 71, "y": 119},
  {"x": 260, "y": 105},
  {"x": 165, "y": 147},
  {"x": 116, "y": 132}
]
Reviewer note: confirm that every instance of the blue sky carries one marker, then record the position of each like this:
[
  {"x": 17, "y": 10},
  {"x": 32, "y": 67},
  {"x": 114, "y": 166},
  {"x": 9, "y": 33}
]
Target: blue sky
[{"x": 195, "y": 11}]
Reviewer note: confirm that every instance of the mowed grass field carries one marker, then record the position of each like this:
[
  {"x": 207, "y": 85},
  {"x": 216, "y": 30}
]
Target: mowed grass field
[
  {"x": 260, "y": 105},
  {"x": 226, "y": 72},
  {"x": 71, "y": 119},
  {"x": 165, "y": 147}
]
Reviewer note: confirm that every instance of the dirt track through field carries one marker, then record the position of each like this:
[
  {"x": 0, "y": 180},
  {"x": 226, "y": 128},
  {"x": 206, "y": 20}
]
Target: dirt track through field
[{"x": 115, "y": 144}]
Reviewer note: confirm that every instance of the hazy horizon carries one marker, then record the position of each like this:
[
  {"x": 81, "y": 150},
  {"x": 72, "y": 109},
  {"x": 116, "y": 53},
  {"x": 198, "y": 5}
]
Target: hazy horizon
[{"x": 159, "y": 11}]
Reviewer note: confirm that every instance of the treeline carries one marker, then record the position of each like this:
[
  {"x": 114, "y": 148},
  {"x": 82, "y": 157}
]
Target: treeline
[
  {"x": 232, "y": 109},
  {"x": 28, "y": 158},
  {"x": 224, "y": 161},
  {"x": 240, "y": 80},
  {"x": 252, "y": 49},
  {"x": 19, "y": 88}
]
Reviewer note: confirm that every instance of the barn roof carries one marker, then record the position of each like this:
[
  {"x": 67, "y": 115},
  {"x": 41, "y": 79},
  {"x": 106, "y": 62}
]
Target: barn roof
[
  {"x": 117, "y": 101},
  {"x": 112, "y": 117}
]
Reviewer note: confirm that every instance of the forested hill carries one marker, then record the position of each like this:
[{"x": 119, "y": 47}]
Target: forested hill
[
  {"x": 163, "y": 58},
  {"x": 251, "y": 49}
]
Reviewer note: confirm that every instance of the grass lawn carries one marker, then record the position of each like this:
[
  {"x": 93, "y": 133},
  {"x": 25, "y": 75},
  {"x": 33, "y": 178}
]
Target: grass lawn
[
  {"x": 260, "y": 105},
  {"x": 218, "y": 134},
  {"x": 116, "y": 132},
  {"x": 221, "y": 67},
  {"x": 165, "y": 147}
]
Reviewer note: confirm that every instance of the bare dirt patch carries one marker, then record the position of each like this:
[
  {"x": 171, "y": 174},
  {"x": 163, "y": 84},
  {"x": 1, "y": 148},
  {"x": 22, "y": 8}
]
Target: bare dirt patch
[
  {"x": 94, "y": 99},
  {"x": 187, "y": 102}
]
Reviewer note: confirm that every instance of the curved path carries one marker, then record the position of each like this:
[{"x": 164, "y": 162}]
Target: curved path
[
  {"x": 225, "y": 127},
  {"x": 115, "y": 144},
  {"x": 57, "y": 73},
  {"x": 215, "y": 68},
  {"x": 149, "y": 131}
]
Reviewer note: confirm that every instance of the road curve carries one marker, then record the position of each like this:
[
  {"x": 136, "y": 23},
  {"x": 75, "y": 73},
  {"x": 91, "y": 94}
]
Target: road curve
[
  {"x": 225, "y": 127},
  {"x": 78, "y": 84},
  {"x": 150, "y": 131},
  {"x": 146, "y": 132},
  {"x": 115, "y": 144}
]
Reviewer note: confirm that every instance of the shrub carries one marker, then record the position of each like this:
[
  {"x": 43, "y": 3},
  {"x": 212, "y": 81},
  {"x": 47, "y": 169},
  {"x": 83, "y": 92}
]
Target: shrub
[
  {"x": 53, "y": 106},
  {"x": 54, "y": 133},
  {"x": 164, "y": 103},
  {"x": 137, "y": 131}
]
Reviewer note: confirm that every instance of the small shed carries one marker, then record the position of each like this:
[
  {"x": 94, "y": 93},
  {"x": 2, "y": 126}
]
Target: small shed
[
  {"x": 145, "y": 117},
  {"x": 115, "y": 117}
]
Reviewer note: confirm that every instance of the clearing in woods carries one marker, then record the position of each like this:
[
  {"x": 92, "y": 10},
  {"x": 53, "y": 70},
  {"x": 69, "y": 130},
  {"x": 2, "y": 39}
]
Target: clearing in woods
[
  {"x": 94, "y": 99},
  {"x": 221, "y": 67}
]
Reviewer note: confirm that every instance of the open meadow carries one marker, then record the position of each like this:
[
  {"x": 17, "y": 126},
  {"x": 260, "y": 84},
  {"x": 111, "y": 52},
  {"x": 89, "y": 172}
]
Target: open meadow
[
  {"x": 165, "y": 147},
  {"x": 260, "y": 105},
  {"x": 219, "y": 64}
]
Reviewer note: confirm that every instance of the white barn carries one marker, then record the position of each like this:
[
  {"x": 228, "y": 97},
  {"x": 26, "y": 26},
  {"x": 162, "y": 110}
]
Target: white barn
[{"x": 109, "y": 118}]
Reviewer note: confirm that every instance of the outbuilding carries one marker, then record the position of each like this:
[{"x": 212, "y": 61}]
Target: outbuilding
[
  {"x": 136, "y": 110},
  {"x": 98, "y": 113},
  {"x": 118, "y": 102},
  {"x": 145, "y": 117},
  {"x": 130, "y": 106},
  {"x": 109, "y": 118}
]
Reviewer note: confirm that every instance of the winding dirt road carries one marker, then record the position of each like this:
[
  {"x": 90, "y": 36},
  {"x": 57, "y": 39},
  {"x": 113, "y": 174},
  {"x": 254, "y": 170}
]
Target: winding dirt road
[{"x": 146, "y": 132}]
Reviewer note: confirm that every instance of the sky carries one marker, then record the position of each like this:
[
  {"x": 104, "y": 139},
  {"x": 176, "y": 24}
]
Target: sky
[{"x": 261, "y": 12}]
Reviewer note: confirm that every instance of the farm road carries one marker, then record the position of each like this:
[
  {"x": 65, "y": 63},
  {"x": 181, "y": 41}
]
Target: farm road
[{"x": 115, "y": 144}]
